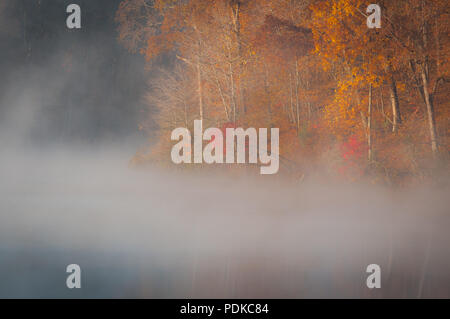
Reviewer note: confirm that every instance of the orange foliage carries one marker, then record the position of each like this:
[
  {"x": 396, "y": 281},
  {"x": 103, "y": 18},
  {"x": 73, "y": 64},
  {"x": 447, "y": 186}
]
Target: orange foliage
[{"x": 306, "y": 68}]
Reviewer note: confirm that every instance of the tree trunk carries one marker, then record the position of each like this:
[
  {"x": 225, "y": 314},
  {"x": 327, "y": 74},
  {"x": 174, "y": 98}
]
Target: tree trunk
[
  {"x": 200, "y": 90},
  {"x": 185, "y": 114},
  {"x": 219, "y": 88},
  {"x": 369, "y": 125},
  {"x": 430, "y": 113},
  {"x": 266, "y": 89},
  {"x": 296, "y": 96},
  {"x": 396, "y": 117},
  {"x": 385, "y": 118},
  {"x": 424, "y": 72},
  {"x": 233, "y": 96},
  {"x": 237, "y": 30},
  {"x": 291, "y": 100}
]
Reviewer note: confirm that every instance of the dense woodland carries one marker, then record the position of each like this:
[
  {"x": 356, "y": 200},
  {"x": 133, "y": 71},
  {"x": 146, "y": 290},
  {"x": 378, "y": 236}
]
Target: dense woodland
[{"x": 349, "y": 101}]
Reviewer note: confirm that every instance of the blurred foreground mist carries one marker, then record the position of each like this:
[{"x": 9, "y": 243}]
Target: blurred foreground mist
[
  {"x": 69, "y": 105},
  {"x": 139, "y": 233}
]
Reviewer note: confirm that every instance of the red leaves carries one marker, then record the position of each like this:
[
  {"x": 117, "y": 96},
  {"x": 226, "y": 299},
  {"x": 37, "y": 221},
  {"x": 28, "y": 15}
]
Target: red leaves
[
  {"x": 353, "y": 153},
  {"x": 353, "y": 149}
]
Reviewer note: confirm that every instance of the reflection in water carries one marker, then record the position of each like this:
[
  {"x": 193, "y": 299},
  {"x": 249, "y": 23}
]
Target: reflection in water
[{"x": 150, "y": 234}]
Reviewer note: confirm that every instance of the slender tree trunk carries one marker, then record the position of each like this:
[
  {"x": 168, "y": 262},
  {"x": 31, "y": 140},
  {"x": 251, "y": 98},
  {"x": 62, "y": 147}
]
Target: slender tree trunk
[
  {"x": 291, "y": 99},
  {"x": 219, "y": 88},
  {"x": 430, "y": 113},
  {"x": 200, "y": 90},
  {"x": 412, "y": 66},
  {"x": 185, "y": 114},
  {"x": 237, "y": 30},
  {"x": 233, "y": 96},
  {"x": 266, "y": 88},
  {"x": 309, "y": 111},
  {"x": 424, "y": 72},
  {"x": 369, "y": 125},
  {"x": 438, "y": 48},
  {"x": 296, "y": 96},
  {"x": 396, "y": 117},
  {"x": 199, "y": 74},
  {"x": 385, "y": 119},
  {"x": 233, "y": 101}
]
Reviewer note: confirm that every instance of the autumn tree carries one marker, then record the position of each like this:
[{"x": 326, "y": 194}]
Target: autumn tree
[
  {"x": 309, "y": 67},
  {"x": 420, "y": 29}
]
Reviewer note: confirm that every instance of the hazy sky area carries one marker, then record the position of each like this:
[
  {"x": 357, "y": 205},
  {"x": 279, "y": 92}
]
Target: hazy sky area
[
  {"x": 70, "y": 102},
  {"x": 157, "y": 235},
  {"x": 60, "y": 85}
]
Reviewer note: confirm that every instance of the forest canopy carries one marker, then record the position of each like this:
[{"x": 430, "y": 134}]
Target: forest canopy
[{"x": 356, "y": 101}]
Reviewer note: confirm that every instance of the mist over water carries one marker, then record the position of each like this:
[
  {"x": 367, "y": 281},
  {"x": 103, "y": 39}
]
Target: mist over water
[
  {"x": 145, "y": 232},
  {"x": 148, "y": 233},
  {"x": 68, "y": 195}
]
